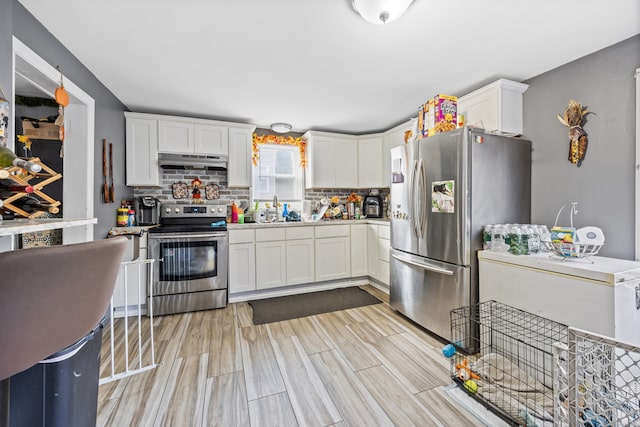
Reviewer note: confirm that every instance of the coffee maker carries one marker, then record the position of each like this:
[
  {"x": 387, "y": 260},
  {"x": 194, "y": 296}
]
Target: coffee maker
[
  {"x": 147, "y": 210},
  {"x": 373, "y": 205}
]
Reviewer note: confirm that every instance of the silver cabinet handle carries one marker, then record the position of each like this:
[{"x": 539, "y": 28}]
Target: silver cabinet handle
[
  {"x": 638, "y": 297},
  {"x": 424, "y": 266}
]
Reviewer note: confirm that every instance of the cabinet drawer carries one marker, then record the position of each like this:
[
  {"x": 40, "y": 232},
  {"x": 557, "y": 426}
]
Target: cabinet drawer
[
  {"x": 270, "y": 234},
  {"x": 297, "y": 233},
  {"x": 240, "y": 236},
  {"x": 383, "y": 250},
  {"x": 384, "y": 232},
  {"x": 324, "y": 231}
]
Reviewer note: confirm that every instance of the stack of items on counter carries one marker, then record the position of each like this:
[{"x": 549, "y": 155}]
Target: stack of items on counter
[
  {"x": 438, "y": 115},
  {"x": 517, "y": 239},
  {"x": 126, "y": 214}
]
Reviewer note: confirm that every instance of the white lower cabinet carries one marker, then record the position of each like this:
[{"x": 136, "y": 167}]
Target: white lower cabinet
[
  {"x": 271, "y": 258},
  {"x": 300, "y": 255},
  {"x": 372, "y": 251},
  {"x": 359, "y": 250},
  {"x": 242, "y": 261},
  {"x": 271, "y": 264},
  {"x": 333, "y": 252},
  {"x": 300, "y": 261},
  {"x": 383, "y": 253}
]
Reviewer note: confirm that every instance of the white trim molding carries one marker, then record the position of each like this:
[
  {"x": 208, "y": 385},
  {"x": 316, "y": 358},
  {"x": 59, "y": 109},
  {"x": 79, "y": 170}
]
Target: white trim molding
[
  {"x": 637, "y": 225},
  {"x": 78, "y": 166}
]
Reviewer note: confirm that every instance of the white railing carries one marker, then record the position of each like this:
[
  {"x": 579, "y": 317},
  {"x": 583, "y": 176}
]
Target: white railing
[{"x": 143, "y": 350}]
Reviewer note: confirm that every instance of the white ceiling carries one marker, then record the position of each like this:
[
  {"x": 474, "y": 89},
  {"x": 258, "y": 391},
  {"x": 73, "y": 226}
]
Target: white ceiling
[{"x": 317, "y": 64}]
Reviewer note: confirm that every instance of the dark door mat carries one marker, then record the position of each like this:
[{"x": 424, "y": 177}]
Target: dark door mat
[{"x": 291, "y": 307}]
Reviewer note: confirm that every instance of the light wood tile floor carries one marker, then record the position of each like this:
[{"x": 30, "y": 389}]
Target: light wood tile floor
[{"x": 366, "y": 366}]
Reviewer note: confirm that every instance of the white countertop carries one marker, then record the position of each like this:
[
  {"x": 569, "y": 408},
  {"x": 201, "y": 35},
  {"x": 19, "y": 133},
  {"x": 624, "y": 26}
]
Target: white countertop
[
  {"x": 608, "y": 270},
  {"x": 24, "y": 225},
  {"x": 379, "y": 221}
]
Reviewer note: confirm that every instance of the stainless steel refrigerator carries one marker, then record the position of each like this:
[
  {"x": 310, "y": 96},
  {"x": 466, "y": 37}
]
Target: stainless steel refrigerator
[{"x": 444, "y": 189}]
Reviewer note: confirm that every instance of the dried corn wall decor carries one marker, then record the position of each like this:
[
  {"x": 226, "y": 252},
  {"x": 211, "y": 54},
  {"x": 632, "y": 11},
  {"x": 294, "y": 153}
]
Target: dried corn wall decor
[{"x": 574, "y": 118}]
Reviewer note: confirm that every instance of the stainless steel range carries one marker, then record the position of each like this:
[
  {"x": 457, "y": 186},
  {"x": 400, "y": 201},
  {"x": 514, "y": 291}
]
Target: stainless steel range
[{"x": 191, "y": 249}]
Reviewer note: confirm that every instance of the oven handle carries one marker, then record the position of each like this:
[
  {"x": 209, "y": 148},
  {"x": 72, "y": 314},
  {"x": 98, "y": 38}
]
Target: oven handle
[{"x": 187, "y": 236}]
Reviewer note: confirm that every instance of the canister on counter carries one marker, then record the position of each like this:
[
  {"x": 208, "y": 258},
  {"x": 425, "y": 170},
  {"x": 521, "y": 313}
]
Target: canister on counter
[{"x": 122, "y": 220}]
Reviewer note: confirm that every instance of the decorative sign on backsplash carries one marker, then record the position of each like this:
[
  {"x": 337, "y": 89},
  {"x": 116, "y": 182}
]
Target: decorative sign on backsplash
[
  {"x": 212, "y": 191},
  {"x": 180, "y": 190}
]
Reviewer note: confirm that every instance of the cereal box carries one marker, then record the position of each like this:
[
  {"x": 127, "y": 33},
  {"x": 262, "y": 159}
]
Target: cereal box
[
  {"x": 421, "y": 116},
  {"x": 443, "y": 114}
]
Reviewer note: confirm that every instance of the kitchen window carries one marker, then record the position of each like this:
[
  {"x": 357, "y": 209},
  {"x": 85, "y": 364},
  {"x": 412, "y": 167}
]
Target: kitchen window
[{"x": 278, "y": 172}]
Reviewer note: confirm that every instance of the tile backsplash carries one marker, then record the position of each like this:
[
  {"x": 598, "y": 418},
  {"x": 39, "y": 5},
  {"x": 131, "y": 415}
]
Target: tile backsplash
[{"x": 229, "y": 195}]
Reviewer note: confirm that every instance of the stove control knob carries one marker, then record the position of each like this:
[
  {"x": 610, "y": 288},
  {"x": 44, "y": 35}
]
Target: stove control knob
[
  {"x": 168, "y": 210},
  {"x": 220, "y": 209},
  {"x": 177, "y": 210}
]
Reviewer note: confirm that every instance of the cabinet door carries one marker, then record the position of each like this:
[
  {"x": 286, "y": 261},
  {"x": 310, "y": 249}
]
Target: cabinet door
[
  {"x": 372, "y": 250},
  {"x": 333, "y": 258},
  {"x": 346, "y": 163},
  {"x": 323, "y": 168},
  {"x": 242, "y": 268},
  {"x": 175, "y": 137},
  {"x": 389, "y": 141},
  {"x": 370, "y": 162},
  {"x": 239, "y": 168},
  {"x": 142, "y": 152},
  {"x": 209, "y": 139},
  {"x": 271, "y": 265},
  {"x": 300, "y": 261},
  {"x": 359, "y": 250}
]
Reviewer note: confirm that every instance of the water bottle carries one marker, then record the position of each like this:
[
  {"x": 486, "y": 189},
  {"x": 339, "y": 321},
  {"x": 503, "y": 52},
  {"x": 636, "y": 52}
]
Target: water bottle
[
  {"x": 545, "y": 238},
  {"x": 497, "y": 238},
  {"x": 516, "y": 241},
  {"x": 285, "y": 212},
  {"x": 534, "y": 239},
  {"x": 486, "y": 237}
]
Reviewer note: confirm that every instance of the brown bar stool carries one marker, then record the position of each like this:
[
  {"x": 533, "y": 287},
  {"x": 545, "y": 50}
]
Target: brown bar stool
[{"x": 49, "y": 299}]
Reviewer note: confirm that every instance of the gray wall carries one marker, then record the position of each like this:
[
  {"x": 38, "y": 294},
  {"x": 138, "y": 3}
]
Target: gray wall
[
  {"x": 604, "y": 185},
  {"x": 109, "y": 117}
]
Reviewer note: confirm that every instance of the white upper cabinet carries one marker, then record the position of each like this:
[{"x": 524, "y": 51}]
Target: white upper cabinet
[
  {"x": 150, "y": 134},
  {"x": 142, "y": 151},
  {"x": 239, "y": 167},
  {"x": 370, "y": 172},
  {"x": 496, "y": 107},
  {"x": 210, "y": 139},
  {"x": 175, "y": 137},
  {"x": 392, "y": 138},
  {"x": 192, "y": 137},
  {"x": 332, "y": 160}
]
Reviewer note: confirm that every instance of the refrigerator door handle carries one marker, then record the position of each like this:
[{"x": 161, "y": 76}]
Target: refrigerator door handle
[
  {"x": 422, "y": 214},
  {"x": 424, "y": 266},
  {"x": 412, "y": 199}
]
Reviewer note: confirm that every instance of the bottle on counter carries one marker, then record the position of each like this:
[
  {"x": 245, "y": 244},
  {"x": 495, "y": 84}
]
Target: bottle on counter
[
  {"x": 122, "y": 218},
  {"x": 234, "y": 213},
  {"x": 131, "y": 217},
  {"x": 285, "y": 212},
  {"x": 8, "y": 159}
]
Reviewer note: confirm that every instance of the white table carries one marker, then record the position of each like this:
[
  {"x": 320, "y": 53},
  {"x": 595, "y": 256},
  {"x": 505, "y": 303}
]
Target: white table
[{"x": 597, "y": 294}]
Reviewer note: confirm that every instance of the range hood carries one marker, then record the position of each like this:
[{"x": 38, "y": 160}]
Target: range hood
[{"x": 189, "y": 161}]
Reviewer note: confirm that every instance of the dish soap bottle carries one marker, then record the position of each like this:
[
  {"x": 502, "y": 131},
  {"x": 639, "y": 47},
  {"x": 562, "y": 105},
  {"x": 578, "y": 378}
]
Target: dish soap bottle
[{"x": 285, "y": 212}]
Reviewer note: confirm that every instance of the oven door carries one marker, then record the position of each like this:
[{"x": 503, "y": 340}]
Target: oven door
[{"x": 189, "y": 262}]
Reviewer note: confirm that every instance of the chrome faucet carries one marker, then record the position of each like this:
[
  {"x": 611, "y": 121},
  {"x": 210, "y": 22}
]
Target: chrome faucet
[{"x": 275, "y": 205}]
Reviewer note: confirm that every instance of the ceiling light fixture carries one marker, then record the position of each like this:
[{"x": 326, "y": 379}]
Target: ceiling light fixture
[
  {"x": 381, "y": 11},
  {"x": 281, "y": 127}
]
